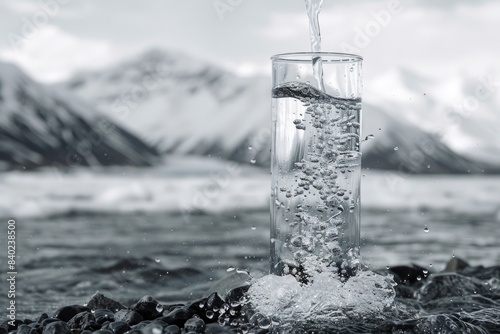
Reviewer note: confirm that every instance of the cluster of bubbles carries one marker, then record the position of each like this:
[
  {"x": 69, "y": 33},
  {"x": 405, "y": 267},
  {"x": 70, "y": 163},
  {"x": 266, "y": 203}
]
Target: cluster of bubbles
[{"x": 332, "y": 155}]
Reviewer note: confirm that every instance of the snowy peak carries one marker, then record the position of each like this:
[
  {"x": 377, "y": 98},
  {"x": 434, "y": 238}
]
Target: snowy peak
[
  {"x": 41, "y": 126},
  {"x": 187, "y": 106}
]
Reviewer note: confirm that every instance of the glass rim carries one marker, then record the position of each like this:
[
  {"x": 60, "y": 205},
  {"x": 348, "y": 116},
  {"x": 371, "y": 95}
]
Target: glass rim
[{"x": 326, "y": 57}]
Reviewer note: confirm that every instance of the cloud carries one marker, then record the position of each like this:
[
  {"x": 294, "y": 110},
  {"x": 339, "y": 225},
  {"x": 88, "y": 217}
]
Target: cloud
[{"x": 50, "y": 54}]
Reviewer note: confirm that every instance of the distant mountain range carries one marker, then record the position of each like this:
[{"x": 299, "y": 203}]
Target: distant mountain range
[
  {"x": 165, "y": 103},
  {"x": 41, "y": 126}
]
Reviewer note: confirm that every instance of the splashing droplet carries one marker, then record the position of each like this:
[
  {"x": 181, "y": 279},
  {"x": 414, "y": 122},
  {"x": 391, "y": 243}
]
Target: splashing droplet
[{"x": 159, "y": 308}]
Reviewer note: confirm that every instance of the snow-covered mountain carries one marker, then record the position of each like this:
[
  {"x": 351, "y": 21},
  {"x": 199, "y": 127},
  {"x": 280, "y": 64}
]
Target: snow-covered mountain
[
  {"x": 40, "y": 126},
  {"x": 184, "y": 105}
]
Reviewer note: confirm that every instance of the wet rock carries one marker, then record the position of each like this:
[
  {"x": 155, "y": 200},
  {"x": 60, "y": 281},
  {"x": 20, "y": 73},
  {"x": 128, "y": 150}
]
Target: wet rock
[
  {"x": 6, "y": 324},
  {"x": 148, "y": 307},
  {"x": 237, "y": 294},
  {"x": 65, "y": 313},
  {"x": 407, "y": 275},
  {"x": 153, "y": 328},
  {"x": 25, "y": 329},
  {"x": 57, "y": 327},
  {"x": 217, "y": 329},
  {"x": 194, "y": 326},
  {"x": 47, "y": 321},
  {"x": 214, "y": 301},
  {"x": 118, "y": 327},
  {"x": 101, "y": 315},
  {"x": 456, "y": 264},
  {"x": 134, "y": 331},
  {"x": 83, "y": 320},
  {"x": 129, "y": 316},
  {"x": 177, "y": 317},
  {"x": 42, "y": 317},
  {"x": 172, "y": 329},
  {"x": 98, "y": 300}
]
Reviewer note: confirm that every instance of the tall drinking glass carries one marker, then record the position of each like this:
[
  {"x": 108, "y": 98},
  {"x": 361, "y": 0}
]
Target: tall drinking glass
[{"x": 316, "y": 163}]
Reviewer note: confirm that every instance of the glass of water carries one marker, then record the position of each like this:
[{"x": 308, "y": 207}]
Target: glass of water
[{"x": 316, "y": 163}]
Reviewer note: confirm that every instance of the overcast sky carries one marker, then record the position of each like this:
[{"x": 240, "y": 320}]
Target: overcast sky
[{"x": 438, "y": 38}]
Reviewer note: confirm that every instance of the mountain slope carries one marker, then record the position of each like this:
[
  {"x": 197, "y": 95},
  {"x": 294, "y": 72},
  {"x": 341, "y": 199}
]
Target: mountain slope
[
  {"x": 40, "y": 126},
  {"x": 186, "y": 106}
]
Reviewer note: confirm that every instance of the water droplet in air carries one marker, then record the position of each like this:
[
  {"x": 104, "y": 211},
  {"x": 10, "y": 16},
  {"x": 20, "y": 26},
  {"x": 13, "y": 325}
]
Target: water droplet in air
[
  {"x": 253, "y": 228},
  {"x": 157, "y": 260},
  {"x": 426, "y": 229},
  {"x": 297, "y": 121},
  {"x": 253, "y": 161},
  {"x": 396, "y": 148},
  {"x": 159, "y": 307},
  {"x": 230, "y": 268}
]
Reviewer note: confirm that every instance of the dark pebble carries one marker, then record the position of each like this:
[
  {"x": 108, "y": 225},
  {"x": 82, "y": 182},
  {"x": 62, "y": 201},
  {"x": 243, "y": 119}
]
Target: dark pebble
[
  {"x": 47, "y": 321},
  {"x": 83, "y": 320},
  {"x": 118, "y": 327},
  {"x": 148, "y": 307},
  {"x": 65, "y": 313},
  {"x": 25, "y": 329},
  {"x": 129, "y": 316},
  {"x": 152, "y": 328},
  {"x": 172, "y": 329},
  {"x": 406, "y": 275},
  {"x": 177, "y": 317},
  {"x": 102, "y": 315},
  {"x": 99, "y": 301},
  {"x": 142, "y": 324},
  {"x": 57, "y": 327},
  {"x": 217, "y": 329},
  {"x": 195, "y": 326},
  {"x": 6, "y": 324},
  {"x": 42, "y": 317},
  {"x": 3, "y": 330},
  {"x": 236, "y": 294},
  {"x": 214, "y": 301}
]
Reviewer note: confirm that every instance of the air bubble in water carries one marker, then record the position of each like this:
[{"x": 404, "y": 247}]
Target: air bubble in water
[
  {"x": 369, "y": 137},
  {"x": 396, "y": 148},
  {"x": 230, "y": 268},
  {"x": 209, "y": 314},
  {"x": 428, "y": 166},
  {"x": 253, "y": 228},
  {"x": 426, "y": 229},
  {"x": 157, "y": 260},
  {"x": 253, "y": 161},
  {"x": 250, "y": 147}
]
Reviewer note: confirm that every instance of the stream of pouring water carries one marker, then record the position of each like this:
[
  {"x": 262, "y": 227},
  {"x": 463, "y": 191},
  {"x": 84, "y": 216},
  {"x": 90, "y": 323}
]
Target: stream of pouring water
[{"x": 313, "y": 8}]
